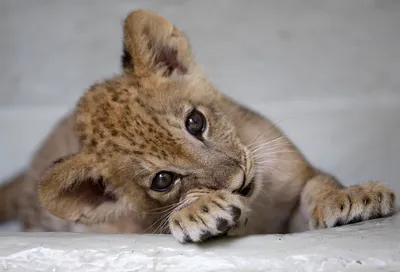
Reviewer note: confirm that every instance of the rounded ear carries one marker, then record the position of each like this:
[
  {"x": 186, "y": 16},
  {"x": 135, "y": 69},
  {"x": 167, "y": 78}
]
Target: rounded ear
[
  {"x": 75, "y": 189},
  {"x": 153, "y": 45}
]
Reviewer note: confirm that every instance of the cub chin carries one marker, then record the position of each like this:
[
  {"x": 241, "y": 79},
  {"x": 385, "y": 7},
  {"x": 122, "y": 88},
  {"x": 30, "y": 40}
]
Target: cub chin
[{"x": 158, "y": 149}]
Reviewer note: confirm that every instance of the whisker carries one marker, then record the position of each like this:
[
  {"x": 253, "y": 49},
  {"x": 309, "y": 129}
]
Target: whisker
[
  {"x": 264, "y": 141},
  {"x": 284, "y": 141},
  {"x": 162, "y": 223},
  {"x": 160, "y": 210},
  {"x": 268, "y": 130},
  {"x": 266, "y": 155},
  {"x": 261, "y": 163},
  {"x": 276, "y": 171},
  {"x": 156, "y": 222},
  {"x": 175, "y": 207},
  {"x": 159, "y": 220},
  {"x": 163, "y": 227},
  {"x": 266, "y": 149}
]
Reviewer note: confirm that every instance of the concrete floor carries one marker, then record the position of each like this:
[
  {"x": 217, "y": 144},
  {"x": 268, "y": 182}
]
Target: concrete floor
[
  {"x": 327, "y": 71},
  {"x": 365, "y": 247}
]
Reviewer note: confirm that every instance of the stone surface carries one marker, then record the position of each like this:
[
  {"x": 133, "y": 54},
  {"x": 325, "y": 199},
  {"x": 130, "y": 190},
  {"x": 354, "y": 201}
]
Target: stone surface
[{"x": 368, "y": 246}]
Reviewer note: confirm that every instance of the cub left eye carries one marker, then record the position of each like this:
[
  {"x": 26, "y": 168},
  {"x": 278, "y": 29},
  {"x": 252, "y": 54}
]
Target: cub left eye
[
  {"x": 163, "y": 181},
  {"x": 195, "y": 123}
]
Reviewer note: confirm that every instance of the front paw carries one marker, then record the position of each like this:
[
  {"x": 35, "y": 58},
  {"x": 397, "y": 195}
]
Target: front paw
[
  {"x": 354, "y": 204},
  {"x": 211, "y": 215}
]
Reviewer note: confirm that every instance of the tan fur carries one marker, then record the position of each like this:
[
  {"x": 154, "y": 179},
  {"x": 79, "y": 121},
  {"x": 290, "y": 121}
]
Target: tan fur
[
  {"x": 126, "y": 129},
  {"x": 8, "y": 201}
]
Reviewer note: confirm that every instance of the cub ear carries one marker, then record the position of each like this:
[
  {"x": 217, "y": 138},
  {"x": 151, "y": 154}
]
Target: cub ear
[
  {"x": 153, "y": 45},
  {"x": 74, "y": 189}
]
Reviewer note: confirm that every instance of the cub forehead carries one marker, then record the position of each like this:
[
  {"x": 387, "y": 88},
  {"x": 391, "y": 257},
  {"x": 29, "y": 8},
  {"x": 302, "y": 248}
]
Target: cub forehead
[
  {"x": 141, "y": 118},
  {"x": 124, "y": 122}
]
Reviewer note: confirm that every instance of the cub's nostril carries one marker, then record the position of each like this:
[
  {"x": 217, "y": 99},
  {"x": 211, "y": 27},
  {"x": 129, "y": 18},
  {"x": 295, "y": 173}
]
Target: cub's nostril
[
  {"x": 236, "y": 213},
  {"x": 247, "y": 190}
]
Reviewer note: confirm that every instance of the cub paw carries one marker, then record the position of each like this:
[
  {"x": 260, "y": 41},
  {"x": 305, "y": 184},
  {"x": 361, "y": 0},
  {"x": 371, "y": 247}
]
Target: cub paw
[
  {"x": 354, "y": 204},
  {"x": 209, "y": 216}
]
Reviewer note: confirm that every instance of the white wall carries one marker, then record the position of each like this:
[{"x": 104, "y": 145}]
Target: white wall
[{"x": 327, "y": 71}]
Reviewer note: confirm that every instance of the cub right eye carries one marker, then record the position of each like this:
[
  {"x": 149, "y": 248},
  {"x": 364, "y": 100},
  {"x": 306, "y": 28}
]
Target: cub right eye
[
  {"x": 195, "y": 123},
  {"x": 163, "y": 181}
]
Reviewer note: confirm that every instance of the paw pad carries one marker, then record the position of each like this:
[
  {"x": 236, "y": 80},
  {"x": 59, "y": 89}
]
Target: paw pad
[
  {"x": 209, "y": 216},
  {"x": 354, "y": 204},
  {"x": 222, "y": 225}
]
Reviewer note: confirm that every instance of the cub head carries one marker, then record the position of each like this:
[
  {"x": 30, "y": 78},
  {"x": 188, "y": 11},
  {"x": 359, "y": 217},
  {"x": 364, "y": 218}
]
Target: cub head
[{"x": 152, "y": 139}]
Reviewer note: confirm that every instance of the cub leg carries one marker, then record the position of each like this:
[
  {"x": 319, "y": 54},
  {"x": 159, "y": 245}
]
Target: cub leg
[{"x": 326, "y": 203}]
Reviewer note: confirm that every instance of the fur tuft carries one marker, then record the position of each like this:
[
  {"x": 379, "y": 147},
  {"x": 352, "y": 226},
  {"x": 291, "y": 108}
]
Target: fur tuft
[{"x": 9, "y": 194}]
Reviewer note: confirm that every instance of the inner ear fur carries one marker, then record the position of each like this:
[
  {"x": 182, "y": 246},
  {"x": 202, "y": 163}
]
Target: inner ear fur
[
  {"x": 153, "y": 45},
  {"x": 75, "y": 189}
]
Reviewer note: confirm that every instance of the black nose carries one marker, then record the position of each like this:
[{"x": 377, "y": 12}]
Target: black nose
[{"x": 245, "y": 190}]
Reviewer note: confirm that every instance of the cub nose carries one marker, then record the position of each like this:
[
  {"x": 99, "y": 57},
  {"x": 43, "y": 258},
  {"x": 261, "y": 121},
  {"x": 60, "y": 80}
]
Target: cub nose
[{"x": 245, "y": 189}]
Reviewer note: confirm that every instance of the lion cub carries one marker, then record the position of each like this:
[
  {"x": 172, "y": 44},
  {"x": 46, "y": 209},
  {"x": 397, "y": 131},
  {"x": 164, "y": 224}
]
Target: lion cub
[{"x": 157, "y": 149}]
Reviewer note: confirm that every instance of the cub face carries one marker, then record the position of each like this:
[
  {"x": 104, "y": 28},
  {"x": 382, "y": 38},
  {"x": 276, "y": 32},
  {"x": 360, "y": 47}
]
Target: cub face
[{"x": 154, "y": 140}]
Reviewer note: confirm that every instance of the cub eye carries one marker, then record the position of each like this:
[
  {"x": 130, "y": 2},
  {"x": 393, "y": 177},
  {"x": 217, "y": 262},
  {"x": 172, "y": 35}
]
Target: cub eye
[
  {"x": 195, "y": 123},
  {"x": 163, "y": 181}
]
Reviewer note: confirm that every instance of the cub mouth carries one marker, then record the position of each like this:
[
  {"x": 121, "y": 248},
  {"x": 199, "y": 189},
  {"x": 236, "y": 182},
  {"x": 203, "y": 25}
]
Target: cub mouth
[{"x": 247, "y": 190}]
